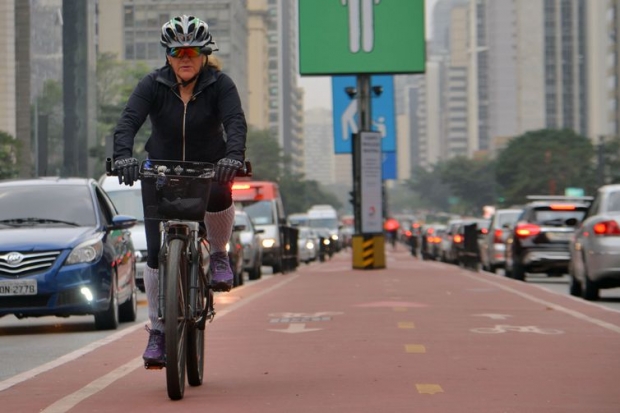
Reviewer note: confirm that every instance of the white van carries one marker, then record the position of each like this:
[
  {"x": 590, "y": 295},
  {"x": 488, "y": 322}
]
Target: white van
[{"x": 128, "y": 201}]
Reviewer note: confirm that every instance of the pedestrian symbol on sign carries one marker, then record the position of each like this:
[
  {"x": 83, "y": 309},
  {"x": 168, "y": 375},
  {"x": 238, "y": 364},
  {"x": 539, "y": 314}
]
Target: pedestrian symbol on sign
[{"x": 361, "y": 24}]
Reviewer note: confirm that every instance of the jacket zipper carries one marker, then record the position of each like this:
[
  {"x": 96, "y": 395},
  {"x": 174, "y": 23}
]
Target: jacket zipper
[{"x": 185, "y": 114}]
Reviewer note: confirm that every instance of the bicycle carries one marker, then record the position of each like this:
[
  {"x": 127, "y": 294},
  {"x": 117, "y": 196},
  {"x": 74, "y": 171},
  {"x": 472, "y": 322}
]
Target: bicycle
[{"x": 185, "y": 293}]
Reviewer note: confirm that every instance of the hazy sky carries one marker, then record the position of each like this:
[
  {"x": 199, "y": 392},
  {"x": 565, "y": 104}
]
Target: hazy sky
[{"x": 318, "y": 89}]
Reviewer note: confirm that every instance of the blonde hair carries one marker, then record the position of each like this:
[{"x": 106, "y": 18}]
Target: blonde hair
[{"x": 214, "y": 62}]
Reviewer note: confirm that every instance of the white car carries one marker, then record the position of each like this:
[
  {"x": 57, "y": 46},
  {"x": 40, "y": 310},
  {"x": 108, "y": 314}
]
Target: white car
[{"x": 128, "y": 201}]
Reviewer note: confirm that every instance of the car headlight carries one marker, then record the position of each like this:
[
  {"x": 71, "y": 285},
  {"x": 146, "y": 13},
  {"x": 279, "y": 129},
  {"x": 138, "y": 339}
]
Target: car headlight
[
  {"x": 334, "y": 237},
  {"x": 310, "y": 245},
  {"x": 268, "y": 242},
  {"x": 228, "y": 247},
  {"x": 89, "y": 251}
]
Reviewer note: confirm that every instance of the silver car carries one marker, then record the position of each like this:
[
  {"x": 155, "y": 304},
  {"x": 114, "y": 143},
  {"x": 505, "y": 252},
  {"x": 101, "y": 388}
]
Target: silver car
[
  {"x": 493, "y": 243},
  {"x": 595, "y": 248},
  {"x": 252, "y": 249},
  {"x": 128, "y": 201},
  {"x": 307, "y": 244}
]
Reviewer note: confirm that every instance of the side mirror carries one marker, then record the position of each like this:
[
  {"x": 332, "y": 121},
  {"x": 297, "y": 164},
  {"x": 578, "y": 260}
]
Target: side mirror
[
  {"x": 240, "y": 227},
  {"x": 259, "y": 231},
  {"x": 122, "y": 222}
]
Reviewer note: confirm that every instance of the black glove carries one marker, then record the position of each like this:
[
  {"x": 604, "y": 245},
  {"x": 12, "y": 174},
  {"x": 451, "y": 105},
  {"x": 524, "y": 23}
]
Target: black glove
[
  {"x": 226, "y": 169},
  {"x": 127, "y": 169}
]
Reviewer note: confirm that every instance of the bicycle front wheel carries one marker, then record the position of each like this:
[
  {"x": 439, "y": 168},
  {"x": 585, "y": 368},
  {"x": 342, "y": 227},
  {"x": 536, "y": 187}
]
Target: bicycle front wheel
[{"x": 175, "y": 318}]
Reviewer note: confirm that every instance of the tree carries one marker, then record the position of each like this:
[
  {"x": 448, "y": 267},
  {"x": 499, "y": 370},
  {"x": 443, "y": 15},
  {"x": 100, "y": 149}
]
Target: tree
[
  {"x": 545, "y": 162},
  {"x": 116, "y": 81},
  {"x": 49, "y": 107},
  {"x": 9, "y": 149},
  {"x": 434, "y": 193},
  {"x": 268, "y": 164},
  {"x": 471, "y": 180},
  {"x": 265, "y": 154}
]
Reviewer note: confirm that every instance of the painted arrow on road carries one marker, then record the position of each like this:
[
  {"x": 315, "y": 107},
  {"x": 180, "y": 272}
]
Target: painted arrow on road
[{"x": 297, "y": 328}]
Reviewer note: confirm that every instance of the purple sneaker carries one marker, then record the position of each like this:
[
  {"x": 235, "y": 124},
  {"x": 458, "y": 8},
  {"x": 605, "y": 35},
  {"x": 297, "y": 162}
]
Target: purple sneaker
[
  {"x": 155, "y": 353},
  {"x": 222, "y": 274}
]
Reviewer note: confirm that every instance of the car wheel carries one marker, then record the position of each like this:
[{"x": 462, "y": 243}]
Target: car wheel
[
  {"x": 518, "y": 272},
  {"x": 590, "y": 288},
  {"x": 128, "y": 311},
  {"x": 108, "y": 319},
  {"x": 255, "y": 272}
]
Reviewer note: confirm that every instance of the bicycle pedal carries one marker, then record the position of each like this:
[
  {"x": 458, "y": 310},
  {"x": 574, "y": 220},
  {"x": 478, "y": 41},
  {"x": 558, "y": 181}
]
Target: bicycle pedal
[{"x": 154, "y": 366}]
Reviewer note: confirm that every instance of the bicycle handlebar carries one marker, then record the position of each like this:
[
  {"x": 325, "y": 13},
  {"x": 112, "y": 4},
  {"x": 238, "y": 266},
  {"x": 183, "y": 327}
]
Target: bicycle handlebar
[{"x": 246, "y": 171}]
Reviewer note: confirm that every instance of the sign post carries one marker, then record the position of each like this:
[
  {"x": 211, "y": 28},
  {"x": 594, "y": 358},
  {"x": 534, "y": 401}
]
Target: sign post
[{"x": 363, "y": 37}]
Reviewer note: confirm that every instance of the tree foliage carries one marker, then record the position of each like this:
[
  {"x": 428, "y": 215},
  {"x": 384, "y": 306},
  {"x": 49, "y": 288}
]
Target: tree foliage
[
  {"x": 9, "y": 148},
  {"x": 545, "y": 162},
  {"x": 471, "y": 180},
  {"x": 49, "y": 108},
  {"x": 433, "y": 192},
  {"x": 116, "y": 81},
  {"x": 269, "y": 164}
]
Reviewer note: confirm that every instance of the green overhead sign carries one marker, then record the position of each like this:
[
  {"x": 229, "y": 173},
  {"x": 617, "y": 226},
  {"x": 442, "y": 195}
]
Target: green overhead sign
[{"x": 338, "y": 37}]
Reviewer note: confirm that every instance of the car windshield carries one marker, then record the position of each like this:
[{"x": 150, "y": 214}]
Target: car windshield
[
  {"x": 260, "y": 212},
  {"x": 323, "y": 223},
  {"x": 241, "y": 219},
  {"x": 613, "y": 202},
  {"x": 508, "y": 218},
  {"x": 128, "y": 202},
  {"x": 47, "y": 204}
]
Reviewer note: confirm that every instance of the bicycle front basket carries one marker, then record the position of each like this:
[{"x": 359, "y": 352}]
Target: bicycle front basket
[{"x": 176, "y": 189}]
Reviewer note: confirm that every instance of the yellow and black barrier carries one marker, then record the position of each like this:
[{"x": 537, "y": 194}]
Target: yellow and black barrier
[{"x": 368, "y": 251}]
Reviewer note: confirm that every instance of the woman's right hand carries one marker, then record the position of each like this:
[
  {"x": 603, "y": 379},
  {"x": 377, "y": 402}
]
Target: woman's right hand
[{"x": 127, "y": 170}]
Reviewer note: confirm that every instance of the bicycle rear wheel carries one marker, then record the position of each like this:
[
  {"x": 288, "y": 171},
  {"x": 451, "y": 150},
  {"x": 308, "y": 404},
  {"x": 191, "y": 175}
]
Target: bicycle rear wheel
[
  {"x": 196, "y": 335},
  {"x": 175, "y": 318}
]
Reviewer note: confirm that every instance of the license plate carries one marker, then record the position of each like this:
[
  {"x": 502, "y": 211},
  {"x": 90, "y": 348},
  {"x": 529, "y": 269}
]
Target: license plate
[
  {"x": 18, "y": 287},
  {"x": 559, "y": 236}
]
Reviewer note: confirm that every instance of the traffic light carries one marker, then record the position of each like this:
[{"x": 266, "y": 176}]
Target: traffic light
[{"x": 352, "y": 197}]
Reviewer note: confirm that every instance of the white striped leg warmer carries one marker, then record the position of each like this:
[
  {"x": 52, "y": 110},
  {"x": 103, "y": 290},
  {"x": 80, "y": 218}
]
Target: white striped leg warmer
[
  {"x": 151, "y": 285},
  {"x": 219, "y": 227}
]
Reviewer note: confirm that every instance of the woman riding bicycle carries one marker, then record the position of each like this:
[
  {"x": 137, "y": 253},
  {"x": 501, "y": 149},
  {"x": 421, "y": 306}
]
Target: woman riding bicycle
[{"x": 196, "y": 115}]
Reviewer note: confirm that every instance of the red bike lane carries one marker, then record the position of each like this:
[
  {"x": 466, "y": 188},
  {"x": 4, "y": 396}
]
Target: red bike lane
[{"x": 414, "y": 337}]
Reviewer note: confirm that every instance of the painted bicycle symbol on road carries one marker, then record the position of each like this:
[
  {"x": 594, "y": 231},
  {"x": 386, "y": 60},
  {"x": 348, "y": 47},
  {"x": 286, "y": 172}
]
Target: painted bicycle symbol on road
[{"x": 504, "y": 328}]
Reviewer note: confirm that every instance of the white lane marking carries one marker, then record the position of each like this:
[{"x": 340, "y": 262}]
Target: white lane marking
[
  {"x": 576, "y": 314},
  {"x": 93, "y": 387},
  {"x": 68, "y": 402},
  {"x": 66, "y": 358},
  {"x": 294, "y": 328},
  {"x": 578, "y": 299}
]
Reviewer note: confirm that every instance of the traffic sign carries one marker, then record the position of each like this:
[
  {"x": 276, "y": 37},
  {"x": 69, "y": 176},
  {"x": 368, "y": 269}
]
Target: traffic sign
[
  {"x": 389, "y": 165},
  {"x": 361, "y": 36},
  {"x": 346, "y": 113}
]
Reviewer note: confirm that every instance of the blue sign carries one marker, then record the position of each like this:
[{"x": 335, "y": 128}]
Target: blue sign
[
  {"x": 388, "y": 165},
  {"x": 346, "y": 113}
]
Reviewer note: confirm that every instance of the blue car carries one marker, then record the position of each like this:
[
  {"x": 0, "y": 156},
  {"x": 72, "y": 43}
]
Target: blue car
[{"x": 65, "y": 250}]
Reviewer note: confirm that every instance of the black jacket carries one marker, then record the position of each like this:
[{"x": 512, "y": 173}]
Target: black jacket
[{"x": 192, "y": 133}]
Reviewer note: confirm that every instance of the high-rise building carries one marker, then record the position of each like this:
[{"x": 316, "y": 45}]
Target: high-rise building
[
  {"x": 8, "y": 67},
  {"x": 319, "y": 146},
  {"x": 257, "y": 112},
  {"x": 285, "y": 97}
]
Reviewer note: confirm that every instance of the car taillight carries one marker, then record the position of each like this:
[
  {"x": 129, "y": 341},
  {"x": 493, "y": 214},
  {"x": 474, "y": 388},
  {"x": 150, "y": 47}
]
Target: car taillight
[
  {"x": 606, "y": 228},
  {"x": 527, "y": 230},
  {"x": 497, "y": 237},
  {"x": 457, "y": 238}
]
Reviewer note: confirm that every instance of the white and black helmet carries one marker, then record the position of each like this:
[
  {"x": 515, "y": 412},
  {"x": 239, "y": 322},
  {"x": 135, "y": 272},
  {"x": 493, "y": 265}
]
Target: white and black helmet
[{"x": 186, "y": 31}]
